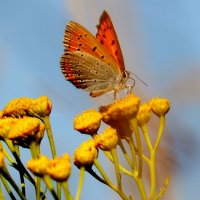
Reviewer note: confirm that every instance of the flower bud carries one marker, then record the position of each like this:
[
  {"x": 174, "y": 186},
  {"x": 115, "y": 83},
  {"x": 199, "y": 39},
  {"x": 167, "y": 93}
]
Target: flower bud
[
  {"x": 88, "y": 122},
  {"x": 41, "y": 107},
  {"x": 143, "y": 114},
  {"x": 122, "y": 109},
  {"x": 160, "y": 106},
  {"x": 60, "y": 168},
  {"x": 85, "y": 154},
  {"x": 26, "y": 130},
  {"x": 39, "y": 165},
  {"x": 107, "y": 140}
]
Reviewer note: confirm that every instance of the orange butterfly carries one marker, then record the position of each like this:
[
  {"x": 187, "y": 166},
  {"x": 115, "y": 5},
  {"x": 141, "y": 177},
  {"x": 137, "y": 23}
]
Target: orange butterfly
[{"x": 95, "y": 64}]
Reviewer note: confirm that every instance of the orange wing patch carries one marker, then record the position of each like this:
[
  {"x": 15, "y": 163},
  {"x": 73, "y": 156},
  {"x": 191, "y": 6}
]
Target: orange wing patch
[{"x": 107, "y": 36}]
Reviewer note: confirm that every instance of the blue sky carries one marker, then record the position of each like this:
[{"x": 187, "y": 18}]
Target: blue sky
[{"x": 160, "y": 42}]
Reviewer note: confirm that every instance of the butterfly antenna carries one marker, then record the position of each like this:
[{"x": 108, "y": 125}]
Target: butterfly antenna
[{"x": 138, "y": 78}]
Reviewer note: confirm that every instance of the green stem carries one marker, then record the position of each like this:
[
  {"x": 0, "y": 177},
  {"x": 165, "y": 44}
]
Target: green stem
[
  {"x": 133, "y": 154},
  {"x": 21, "y": 173},
  {"x": 47, "y": 123},
  {"x": 108, "y": 181},
  {"x": 80, "y": 184},
  {"x": 49, "y": 185},
  {"x": 7, "y": 155},
  {"x": 6, "y": 175},
  {"x": 160, "y": 131},
  {"x": 34, "y": 153},
  {"x": 125, "y": 153},
  {"x": 151, "y": 162},
  {"x": 20, "y": 165},
  {"x": 139, "y": 144},
  {"x": 141, "y": 188},
  {"x": 4, "y": 181},
  {"x": 1, "y": 192},
  {"x": 117, "y": 170},
  {"x": 152, "y": 174},
  {"x": 124, "y": 170},
  {"x": 66, "y": 190}
]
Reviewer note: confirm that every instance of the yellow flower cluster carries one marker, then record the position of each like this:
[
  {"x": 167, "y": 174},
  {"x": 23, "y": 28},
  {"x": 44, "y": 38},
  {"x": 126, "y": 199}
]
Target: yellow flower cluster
[
  {"x": 58, "y": 168},
  {"x": 19, "y": 120},
  {"x": 24, "y": 106},
  {"x": 118, "y": 115}
]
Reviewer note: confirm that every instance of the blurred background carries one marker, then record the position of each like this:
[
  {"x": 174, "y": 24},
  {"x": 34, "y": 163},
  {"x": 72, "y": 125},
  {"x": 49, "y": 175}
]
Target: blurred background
[{"x": 160, "y": 43}]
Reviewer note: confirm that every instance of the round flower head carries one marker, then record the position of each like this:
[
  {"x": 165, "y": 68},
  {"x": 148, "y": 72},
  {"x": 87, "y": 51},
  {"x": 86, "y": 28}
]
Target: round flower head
[
  {"x": 143, "y": 114},
  {"x": 25, "y": 131},
  {"x": 107, "y": 140},
  {"x": 85, "y": 154},
  {"x": 122, "y": 109},
  {"x": 6, "y": 124},
  {"x": 17, "y": 107},
  {"x": 160, "y": 106},
  {"x": 88, "y": 122},
  {"x": 41, "y": 107},
  {"x": 39, "y": 165},
  {"x": 60, "y": 168}
]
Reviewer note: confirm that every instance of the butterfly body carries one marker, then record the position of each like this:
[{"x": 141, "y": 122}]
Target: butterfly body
[{"x": 94, "y": 64}]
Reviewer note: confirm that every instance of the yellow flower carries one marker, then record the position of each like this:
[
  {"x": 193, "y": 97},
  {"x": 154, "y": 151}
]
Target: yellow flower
[
  {"x": 6, "y": 124},
  {"x": 17, "y": 107},
  {"x": 143, "y": 114},
  {"x": 122, "y": 109},
  {"x": 107, "y": 140},
  {"x": 60, "y": 168},
  {"x": 26, "y": 130},
  {"x": 85, "y": 153},
  {"x": 88, "y": 122},
  {"x": 39, "y": 165},
  {"x": 41, "y": 107},
  {"x": 160, "y": 106},
  {"x": 24, "y": 106}
]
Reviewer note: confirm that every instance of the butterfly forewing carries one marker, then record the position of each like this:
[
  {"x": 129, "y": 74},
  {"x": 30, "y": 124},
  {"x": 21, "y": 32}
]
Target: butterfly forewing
[
  {"x": 108, "y": 38},
  {"x": 78, "y": 38}
]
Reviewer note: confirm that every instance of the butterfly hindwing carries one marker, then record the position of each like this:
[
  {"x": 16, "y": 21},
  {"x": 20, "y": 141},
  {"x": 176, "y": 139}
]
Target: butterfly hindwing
[{"x": 88, "y": 72}]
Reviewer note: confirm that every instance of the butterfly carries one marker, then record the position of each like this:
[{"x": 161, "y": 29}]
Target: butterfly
[{"x": 94, "y": 64}]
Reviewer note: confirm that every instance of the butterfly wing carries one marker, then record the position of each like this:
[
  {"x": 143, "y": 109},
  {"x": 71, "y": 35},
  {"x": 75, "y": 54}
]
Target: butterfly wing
[
  {"x": 108, "y": 38},
  {"x": 88, "y": 72},
  {"x": 78, "y": 38}
]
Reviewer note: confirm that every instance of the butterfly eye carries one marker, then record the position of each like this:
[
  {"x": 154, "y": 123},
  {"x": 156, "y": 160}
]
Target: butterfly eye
[
  {"x": 102, "y": 57},
  {"x": 80, "y": 45}
]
